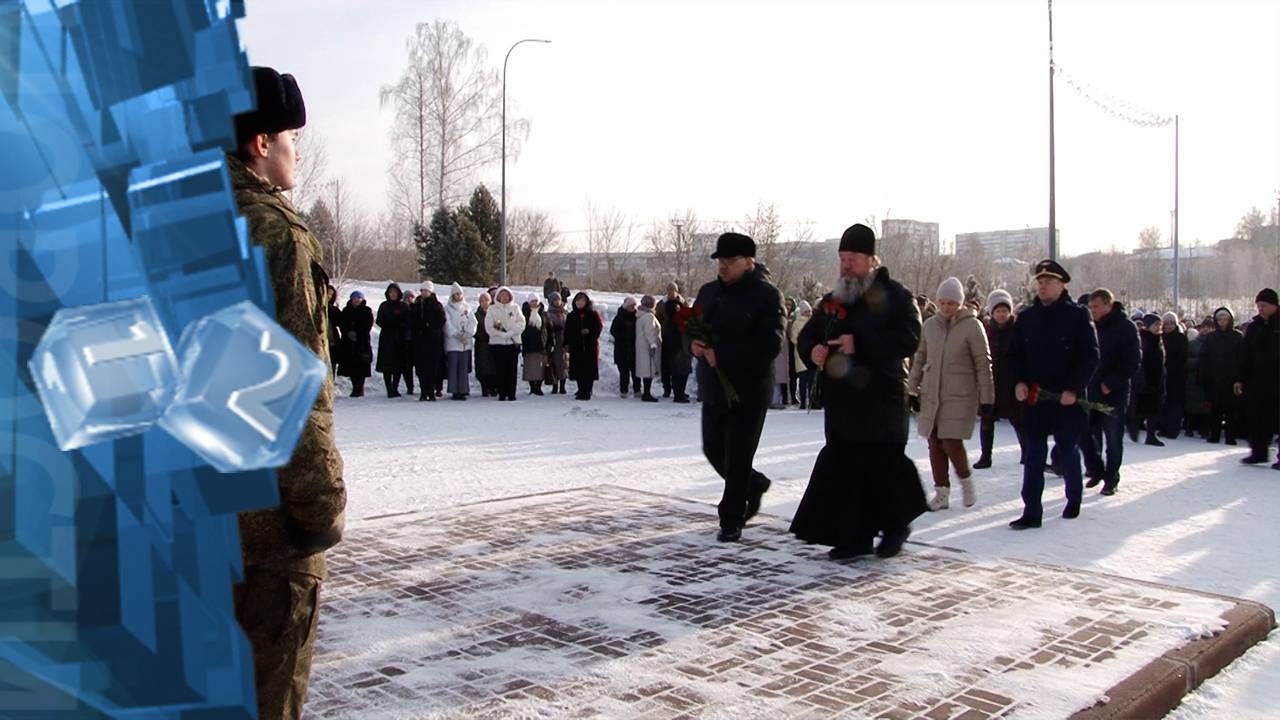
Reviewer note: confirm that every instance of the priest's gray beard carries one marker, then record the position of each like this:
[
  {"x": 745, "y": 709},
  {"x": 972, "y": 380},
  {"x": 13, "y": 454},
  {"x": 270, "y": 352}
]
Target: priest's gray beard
[{"x": 848, "y": 290}]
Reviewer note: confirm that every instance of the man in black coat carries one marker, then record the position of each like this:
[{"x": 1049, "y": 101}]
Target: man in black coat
[
  {"x": 1259, "y": 382},
  {"x": 1055, "y": 349},
  {"x": 1219, "y": 363},
  {"x": 859, "y": 339},
  {"x": 1149, "y": 381},
  {"x": 426, "y": 327},
  {"x": 744, "y": 313},
  {"x": 676, "y": 364},
  {"x": 1119, "y": 357},
  {"x": 1175, "y": 375}
]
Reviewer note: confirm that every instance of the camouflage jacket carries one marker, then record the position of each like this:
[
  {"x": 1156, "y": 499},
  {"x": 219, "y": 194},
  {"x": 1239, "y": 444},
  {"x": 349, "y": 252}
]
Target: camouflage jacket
[{"x": 293, "y": 536}]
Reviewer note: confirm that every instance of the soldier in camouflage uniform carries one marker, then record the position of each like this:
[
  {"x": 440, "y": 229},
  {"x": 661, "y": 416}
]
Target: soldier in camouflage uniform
[{"x": 283, "y": 547}]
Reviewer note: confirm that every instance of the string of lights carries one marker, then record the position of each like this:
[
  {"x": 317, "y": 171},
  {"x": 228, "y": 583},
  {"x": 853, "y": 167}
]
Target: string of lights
[{"x": 1112, "y": 105}]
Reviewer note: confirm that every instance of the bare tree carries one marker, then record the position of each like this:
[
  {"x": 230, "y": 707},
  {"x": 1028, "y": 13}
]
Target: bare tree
[
  {"x": 611, "y": 241},
  {"x": 313, "y": 167},
  {"x": 679, "y": 247},
  {"x": 1149, "y": 238},
  {"x": 348, "y": 238},
  {"x": 532, "y": 233},
  {"x": 448, "y": 122}
]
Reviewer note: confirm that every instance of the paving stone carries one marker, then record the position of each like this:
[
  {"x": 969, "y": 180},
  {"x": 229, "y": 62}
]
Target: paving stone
[{"x": 604, "y": 602}]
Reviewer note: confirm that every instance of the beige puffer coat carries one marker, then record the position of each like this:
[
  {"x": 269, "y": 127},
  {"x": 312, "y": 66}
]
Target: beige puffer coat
[{"x": 952, "y": 374}]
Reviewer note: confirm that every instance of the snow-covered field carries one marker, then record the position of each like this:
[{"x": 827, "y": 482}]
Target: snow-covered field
[{"x": 1188, "y": 514}]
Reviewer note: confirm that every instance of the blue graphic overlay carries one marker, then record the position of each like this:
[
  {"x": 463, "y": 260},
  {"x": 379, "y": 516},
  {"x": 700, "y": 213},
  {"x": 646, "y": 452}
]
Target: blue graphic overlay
[
  {"x": 118, "y": 554},
  {"x": 248, "y": 387}
]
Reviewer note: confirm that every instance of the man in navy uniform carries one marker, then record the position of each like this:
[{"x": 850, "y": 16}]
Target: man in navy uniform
[{"x": 1055, "y": 348}]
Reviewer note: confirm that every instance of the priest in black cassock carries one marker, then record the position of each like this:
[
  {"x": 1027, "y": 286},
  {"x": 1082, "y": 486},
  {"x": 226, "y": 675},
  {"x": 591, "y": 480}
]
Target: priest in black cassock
[{"x": 859, "y": 339}]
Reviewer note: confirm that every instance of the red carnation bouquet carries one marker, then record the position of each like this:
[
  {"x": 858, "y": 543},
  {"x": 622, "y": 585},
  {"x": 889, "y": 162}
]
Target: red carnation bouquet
[
  {"x": 834, "y": 312},
  {"x": 696, "y": 327},
  {"x": 1035, "y": 395}
]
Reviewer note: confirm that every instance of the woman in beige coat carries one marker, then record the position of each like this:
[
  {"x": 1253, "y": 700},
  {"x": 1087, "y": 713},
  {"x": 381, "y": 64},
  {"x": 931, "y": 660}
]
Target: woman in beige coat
[{"x": 950, "y": 381}]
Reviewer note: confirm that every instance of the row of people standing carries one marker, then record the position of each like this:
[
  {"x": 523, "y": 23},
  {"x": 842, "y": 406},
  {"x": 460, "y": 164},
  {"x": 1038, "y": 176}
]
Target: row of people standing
[{"x": 439, "y": 343}]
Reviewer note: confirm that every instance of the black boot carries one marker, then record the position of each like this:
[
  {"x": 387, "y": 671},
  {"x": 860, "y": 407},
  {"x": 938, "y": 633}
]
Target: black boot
[
  {"x": 1151, "y": 438},
  {"x": 891, "y": 543},
  {"x": 562, "y": 390},
  {"x": 983, "y": 463}
]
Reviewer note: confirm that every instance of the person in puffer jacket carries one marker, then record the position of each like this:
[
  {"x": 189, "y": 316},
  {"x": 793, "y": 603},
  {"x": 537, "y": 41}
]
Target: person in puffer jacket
[{"x": 504, "y": 324}]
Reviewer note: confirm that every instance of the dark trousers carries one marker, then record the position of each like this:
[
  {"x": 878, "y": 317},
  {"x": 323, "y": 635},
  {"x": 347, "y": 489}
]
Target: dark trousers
[
  {"x": 505, "y": 359},
  {"x": 1171, "y": 414},
  {"x": 805, "y": 383},
  {"x": 1108, "y": 428},
  {"x": 628, "y": 379},
  {"x": 1065, "y": 425},
  {"x": 730, "y": 437},
  {"x": 427, "y": 377},
  {"x": 1263, "y": 416},
  {"x": 1222, "y": 415},
  {"x": 681, "y": 383},
  {"x": 665, "y": 379},
  {"x": 987, "y": 434},
  {"x": 392, "y": 381},
  {"x": 584, "y": 388}
]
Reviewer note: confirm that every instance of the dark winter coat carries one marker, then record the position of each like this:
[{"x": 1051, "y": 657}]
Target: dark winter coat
[
  {"x": 556, "y": 359},
  {"x": 582, "y": 336},
  {"x": 483, "y": 355},
  {"x": 748, "y": 323},
  {"x": 394, "y": 352},
  {"x": 1054, "y": 346},
  {"x": 357, "y": 346},
  {"x": 676, "y": 359},
  {"x": 1260, "y": 359},
  {"x": 1150, "y": 380},
  {"x": 1119, "y": 356},
  {"x": 623, "y": 330},
  {"x": 427, "y": 330},
  {"x": 1175, "y": 366},
  {"x": 865, "y": 401},
  {"x": 1219, "y": 364},
  {"x": 1260, "y": 373},
  {"x": 1193, "y": 404},
  {"x": 534, "y": 339},
  {"x": 1000, "y": 340}
]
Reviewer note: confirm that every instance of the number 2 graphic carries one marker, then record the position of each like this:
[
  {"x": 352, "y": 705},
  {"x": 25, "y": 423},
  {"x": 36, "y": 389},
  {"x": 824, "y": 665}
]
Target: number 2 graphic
[{"x": 250, "y": 404}]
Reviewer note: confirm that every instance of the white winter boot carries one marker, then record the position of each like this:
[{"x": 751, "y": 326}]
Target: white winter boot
[
  {"x": 969, "y": 492},
  {"x": 941, "y": 499}
]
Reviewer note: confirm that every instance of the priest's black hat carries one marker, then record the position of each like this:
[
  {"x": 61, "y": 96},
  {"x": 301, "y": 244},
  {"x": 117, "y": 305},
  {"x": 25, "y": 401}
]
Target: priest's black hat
[{"x": 858, "y": 238}]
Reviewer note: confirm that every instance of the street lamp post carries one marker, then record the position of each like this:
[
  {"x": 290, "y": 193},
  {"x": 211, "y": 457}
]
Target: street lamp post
[
  {"x": 1053, "y": 229},
  {"x": 502, "y": 223}
]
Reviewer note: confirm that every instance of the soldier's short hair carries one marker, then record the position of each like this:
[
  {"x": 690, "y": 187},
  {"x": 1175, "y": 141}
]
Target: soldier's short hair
[{"x": 1103, "y": 295}]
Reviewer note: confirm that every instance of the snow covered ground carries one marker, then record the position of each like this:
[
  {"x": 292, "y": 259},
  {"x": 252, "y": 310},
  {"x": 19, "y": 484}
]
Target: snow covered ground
[{"x": 1188, "y": 514}]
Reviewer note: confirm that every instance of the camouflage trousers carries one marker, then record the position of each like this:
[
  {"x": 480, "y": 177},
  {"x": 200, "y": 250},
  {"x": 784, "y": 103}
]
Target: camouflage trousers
[{"x": 278, "y": 610}]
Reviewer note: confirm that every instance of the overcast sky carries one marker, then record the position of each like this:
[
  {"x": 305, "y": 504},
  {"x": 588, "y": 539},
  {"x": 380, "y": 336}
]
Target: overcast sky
[{"x": 834, "y": 111}]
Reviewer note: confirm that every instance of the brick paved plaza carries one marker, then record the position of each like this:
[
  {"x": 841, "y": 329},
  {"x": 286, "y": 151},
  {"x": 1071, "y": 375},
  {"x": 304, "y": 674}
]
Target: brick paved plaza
[{"x": 603, "y": 602}]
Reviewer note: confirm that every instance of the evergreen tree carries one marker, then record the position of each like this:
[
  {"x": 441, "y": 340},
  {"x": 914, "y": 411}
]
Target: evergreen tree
[
  {"x": 470, "y": 260},
  {"x": 483, "y": 212},
  {"x": 433, "y": 242}
]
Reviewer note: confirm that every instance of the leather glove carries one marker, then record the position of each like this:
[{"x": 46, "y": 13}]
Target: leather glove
[{"x": 914, "y": 402}]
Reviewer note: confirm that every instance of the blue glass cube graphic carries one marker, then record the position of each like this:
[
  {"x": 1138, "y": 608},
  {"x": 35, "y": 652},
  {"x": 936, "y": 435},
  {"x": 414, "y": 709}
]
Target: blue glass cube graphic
[
  {"x": 104, "y": 371},
  {"x": 247, "y": 389}
]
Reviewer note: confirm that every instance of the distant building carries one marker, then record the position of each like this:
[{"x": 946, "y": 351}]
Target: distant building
[
  {"x": 923, "y": 236},
  {"x": 1028, "y": 245}
]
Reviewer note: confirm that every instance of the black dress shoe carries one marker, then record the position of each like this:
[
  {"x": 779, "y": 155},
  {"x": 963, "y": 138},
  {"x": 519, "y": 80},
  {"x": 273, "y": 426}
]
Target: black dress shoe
[
  {"x": 1024, "y": 523},
  {"x": 1151, "y": 440},
  {"x": 1071, "y": 511},
  {"x": 983, "y": 463},
  {"x": 1053, "y": 469},
  {"x": 681, "y": 399},
  {"x": 891, "y": 543},
  {"x": 1254, "y": 459},
  {"x": 844, "y": 552},
  {"x": 733, "y": 534},
  {"x": 1109, "y": 488},
  {"x": 1093, "y": 481},
  {"x": 753, "y": 500}
]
